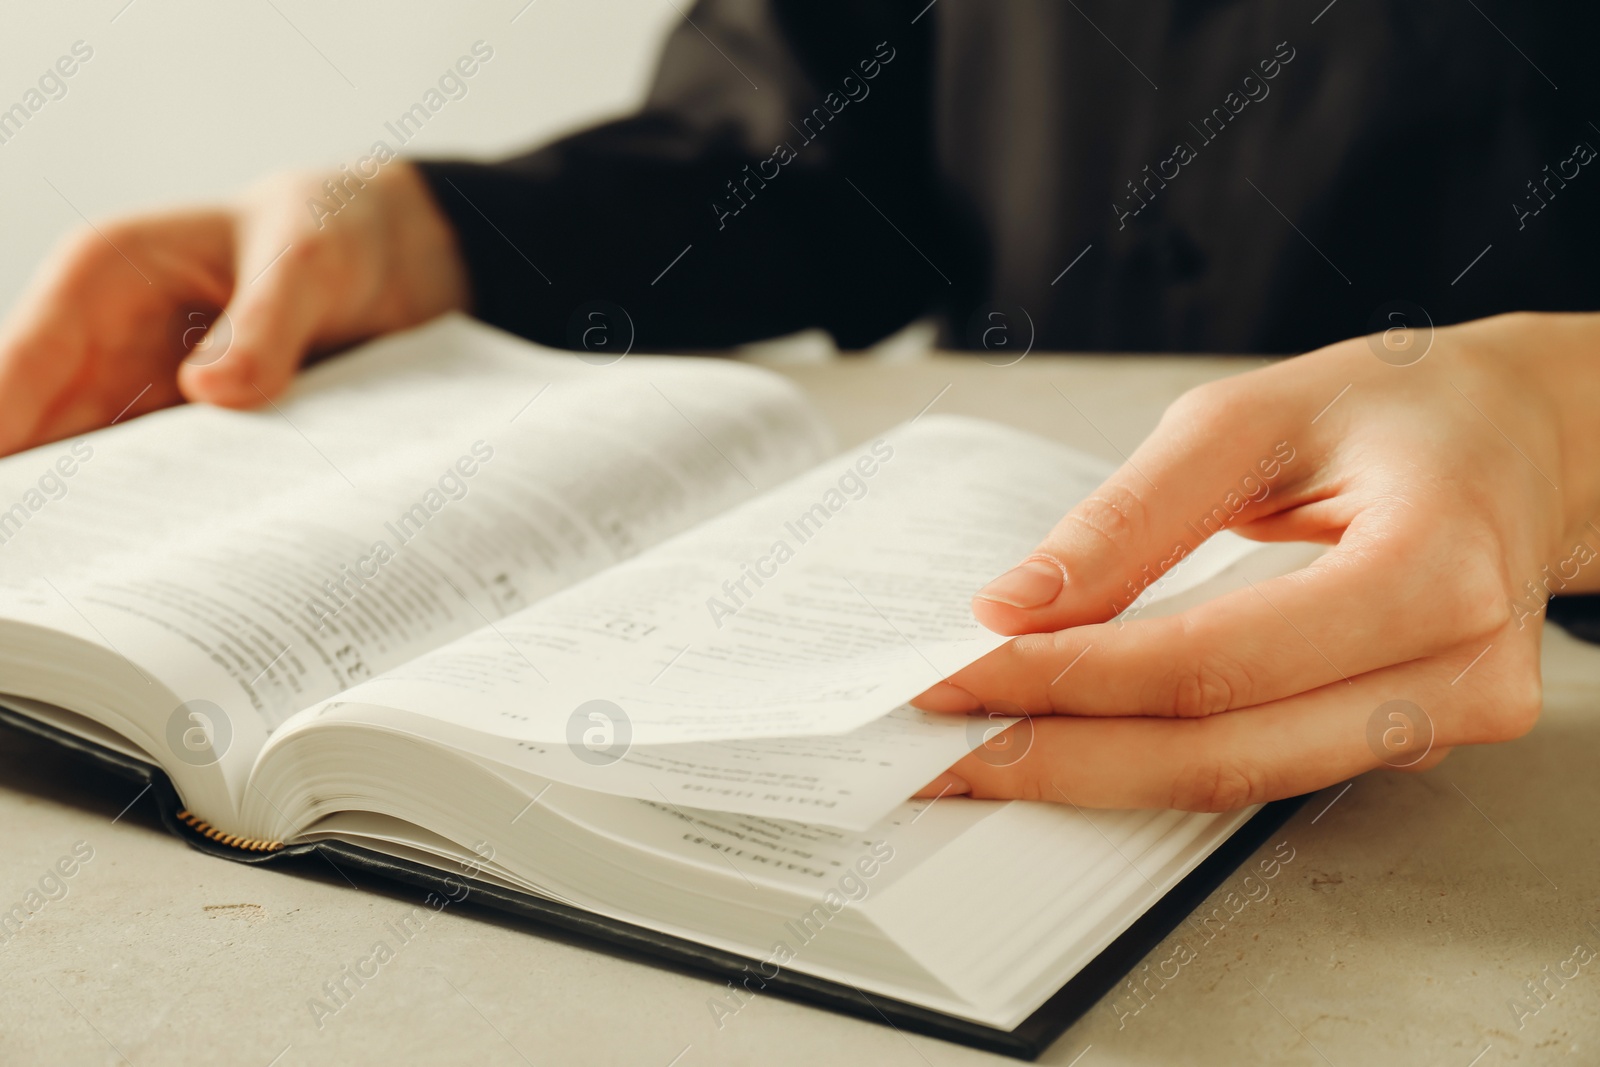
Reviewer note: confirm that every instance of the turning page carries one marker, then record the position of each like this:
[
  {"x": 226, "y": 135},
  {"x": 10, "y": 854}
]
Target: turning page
[{"x": 747, "y": 664}]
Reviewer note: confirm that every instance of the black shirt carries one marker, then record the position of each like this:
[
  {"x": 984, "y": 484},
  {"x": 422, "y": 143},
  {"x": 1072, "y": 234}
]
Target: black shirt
[{"x": 1195, "y": 175}]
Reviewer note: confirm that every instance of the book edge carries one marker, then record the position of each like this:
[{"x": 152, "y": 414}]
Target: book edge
[{"x": 1027, "y": 1041}]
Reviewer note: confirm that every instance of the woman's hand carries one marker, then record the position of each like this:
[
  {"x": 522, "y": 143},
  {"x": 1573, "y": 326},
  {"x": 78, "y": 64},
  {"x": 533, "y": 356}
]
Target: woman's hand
[
  {"x": 1457, "y": 492},
  {"x": 116, "y": 324}
]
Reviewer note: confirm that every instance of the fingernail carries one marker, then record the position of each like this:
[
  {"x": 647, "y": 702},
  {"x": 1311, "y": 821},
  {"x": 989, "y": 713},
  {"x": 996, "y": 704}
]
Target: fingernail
[
  {"x": 948, "y": 698},
  {"x": 946, "y": 785},
  {"x": 1032, "y": 584}
]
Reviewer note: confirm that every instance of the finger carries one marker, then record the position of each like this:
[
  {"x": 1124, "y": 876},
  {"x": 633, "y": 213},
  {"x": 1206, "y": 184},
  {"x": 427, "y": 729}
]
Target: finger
[
  {"x": 280, "y": 301},
  {"x": 1198, "y": 473},
  {"x": 951, "y": 784},
  {"x": 1276, "y": 750},
  {"x": 57, "y": 378},
  {"x": 33, "y": 373},
  {"x": 43, "y": 345},
  {"x": 1378, "y": 600},
  {"x": 81, "y": 409}
]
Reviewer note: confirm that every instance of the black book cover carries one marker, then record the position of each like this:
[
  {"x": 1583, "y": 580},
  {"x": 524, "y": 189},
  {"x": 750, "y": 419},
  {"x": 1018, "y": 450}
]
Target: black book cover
[{"x": 1027, "y": 1041}]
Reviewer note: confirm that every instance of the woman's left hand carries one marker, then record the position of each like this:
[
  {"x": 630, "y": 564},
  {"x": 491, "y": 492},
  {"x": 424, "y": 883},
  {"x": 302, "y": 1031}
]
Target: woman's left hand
[{"x": 1458, "y": 491}]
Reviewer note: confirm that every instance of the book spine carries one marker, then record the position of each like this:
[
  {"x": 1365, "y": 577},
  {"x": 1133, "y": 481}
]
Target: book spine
[{"x": 206, "y": 830}]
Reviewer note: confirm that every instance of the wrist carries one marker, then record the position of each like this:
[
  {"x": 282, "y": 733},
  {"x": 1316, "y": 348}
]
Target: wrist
[
  {"x": 1560, "y": 353},
  {"x": 418, "y": 254}
]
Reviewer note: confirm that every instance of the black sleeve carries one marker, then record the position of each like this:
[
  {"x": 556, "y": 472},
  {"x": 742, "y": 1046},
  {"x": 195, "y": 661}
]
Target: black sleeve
[
  {"x": 780, "y": 176},
  {"x": 1578, "y": 615}
]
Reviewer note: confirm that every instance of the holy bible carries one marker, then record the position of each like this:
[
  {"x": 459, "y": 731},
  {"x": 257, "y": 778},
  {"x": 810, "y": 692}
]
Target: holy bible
[{"x": 623, "y": 649}]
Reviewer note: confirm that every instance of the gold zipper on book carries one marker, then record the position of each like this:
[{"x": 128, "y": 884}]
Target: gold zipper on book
[{"x": 199, "y": 825}]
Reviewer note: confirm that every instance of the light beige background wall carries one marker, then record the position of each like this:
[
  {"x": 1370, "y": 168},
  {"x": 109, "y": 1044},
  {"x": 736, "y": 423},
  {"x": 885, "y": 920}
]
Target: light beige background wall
[{"x": 187, "y": 100}]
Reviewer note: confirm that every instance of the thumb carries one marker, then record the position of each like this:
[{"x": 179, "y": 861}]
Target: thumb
[
  {"x": 252, "y": 350},
  {"x": 1178, "y": 489}
]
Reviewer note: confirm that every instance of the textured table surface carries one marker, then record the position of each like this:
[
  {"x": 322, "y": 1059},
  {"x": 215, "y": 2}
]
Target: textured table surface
[{"x": 1405, "y": 929}]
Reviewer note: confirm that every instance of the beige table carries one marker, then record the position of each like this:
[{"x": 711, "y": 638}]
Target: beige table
[{"x": 1415, "y": 909}]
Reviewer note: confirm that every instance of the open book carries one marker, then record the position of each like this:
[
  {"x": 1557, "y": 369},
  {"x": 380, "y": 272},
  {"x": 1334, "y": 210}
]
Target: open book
[{"x": 630, "y": 642}]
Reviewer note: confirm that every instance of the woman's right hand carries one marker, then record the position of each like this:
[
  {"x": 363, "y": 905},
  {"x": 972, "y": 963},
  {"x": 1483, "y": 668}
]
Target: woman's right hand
[{"x": 116, "y": 323}]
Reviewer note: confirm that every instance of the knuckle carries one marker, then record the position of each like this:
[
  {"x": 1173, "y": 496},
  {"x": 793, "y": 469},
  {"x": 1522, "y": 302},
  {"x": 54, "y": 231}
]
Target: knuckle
[
  {"x": 120, "y": 232},
  {"x": 1044, "y": 657},
  {"x": 1200, "y": 681},
  {"x": 1207, "y": 407},
  {"x": 79, "y": 242},
  {"x": 1055, "y": 667},
  {"x": 1517, "y": 323},
  {"x": 317, "y": 264},
  {"x": 1480, "y": 596},
  {"x": 1215, "y": 785},
  {"x": 308, "y": 248},
  {"x": 1202, "y": 689},
  {"x": 1506, "y": 702},
  {"x": 1030, "y": 787},
  {"x": 93, "y": 253},
  {"x": 1024, "y": 780},
  {"x": 1114, "y": 515},
  {"x": 1031, "y": 648},
  {"x": 87, "y": 247},
  {"x": 293, "y": 185},
  {"x": 1520, "y": 701}
]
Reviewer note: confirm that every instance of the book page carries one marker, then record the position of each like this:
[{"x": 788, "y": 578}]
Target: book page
[
  {"x": 812, "y": 610},
  {"x": 776, "y": 852},
  {"x": 400, "y": 497},
  {"x": 670, "y": 679},
  {"x": 850, "y": 780}
]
